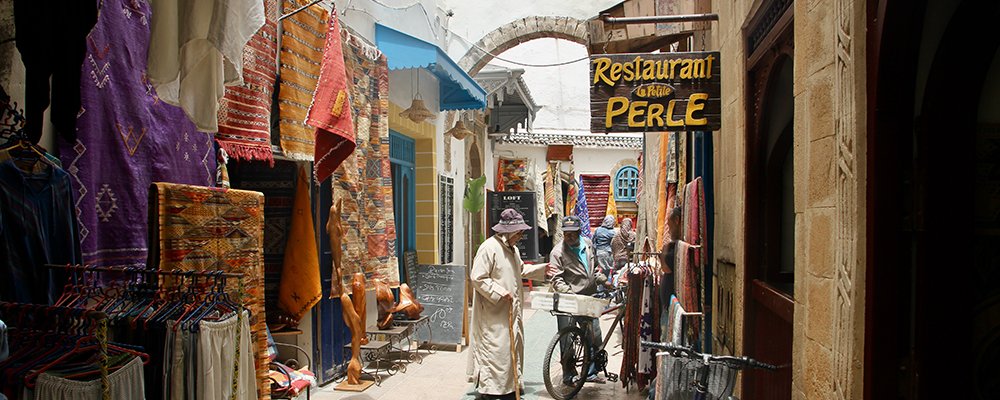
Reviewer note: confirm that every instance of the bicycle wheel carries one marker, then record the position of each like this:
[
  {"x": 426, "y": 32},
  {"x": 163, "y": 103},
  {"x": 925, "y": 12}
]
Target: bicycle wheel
[{"x": 565, "y": 372}]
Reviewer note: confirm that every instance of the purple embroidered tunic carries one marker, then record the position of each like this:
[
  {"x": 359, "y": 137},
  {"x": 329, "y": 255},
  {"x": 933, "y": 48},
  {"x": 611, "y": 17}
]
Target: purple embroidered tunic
[{"x": 127, "y": 138}]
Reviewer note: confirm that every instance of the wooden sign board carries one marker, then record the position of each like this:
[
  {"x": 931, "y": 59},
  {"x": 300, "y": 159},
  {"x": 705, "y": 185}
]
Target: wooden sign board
[
  {"x": 441, "y": 290},
  {"x": 655, "y": 92},
  {"x": 524, "y": 203}
]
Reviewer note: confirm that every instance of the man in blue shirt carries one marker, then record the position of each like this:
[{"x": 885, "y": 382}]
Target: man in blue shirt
[{"x": 574, "y": 271}]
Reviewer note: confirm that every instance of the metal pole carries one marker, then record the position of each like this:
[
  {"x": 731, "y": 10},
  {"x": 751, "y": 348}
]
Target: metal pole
[{"x": 660, "y": 19}]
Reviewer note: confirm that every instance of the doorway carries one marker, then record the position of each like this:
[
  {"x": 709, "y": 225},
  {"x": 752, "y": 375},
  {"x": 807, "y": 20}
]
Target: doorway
[
  {"x": 402, "y": 157},
  {"x": 770, "y": 215}
]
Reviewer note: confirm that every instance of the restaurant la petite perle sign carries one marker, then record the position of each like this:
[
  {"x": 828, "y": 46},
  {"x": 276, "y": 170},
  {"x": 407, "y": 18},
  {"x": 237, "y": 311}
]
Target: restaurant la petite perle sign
[{"x": 655, "y": 92}]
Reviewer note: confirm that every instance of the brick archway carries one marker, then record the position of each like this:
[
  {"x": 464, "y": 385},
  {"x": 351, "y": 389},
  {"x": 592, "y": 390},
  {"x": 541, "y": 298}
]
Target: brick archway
[{"x": 520, "y": 31}]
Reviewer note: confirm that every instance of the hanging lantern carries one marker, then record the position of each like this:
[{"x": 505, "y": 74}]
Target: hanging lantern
[
  {"x": 417, "y": 112},
  {"x": 459, "y": 131}
]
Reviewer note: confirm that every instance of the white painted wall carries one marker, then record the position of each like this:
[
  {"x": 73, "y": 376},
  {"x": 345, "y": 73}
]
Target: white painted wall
[
  {"x": 474, "y": 19},
  {"x": 562, "y": 91}
]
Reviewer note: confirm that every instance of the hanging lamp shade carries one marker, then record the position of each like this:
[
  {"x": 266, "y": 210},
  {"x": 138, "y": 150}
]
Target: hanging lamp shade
[
  {"x": 417, "y": 111},
  {"x": 459, "y": 131}
]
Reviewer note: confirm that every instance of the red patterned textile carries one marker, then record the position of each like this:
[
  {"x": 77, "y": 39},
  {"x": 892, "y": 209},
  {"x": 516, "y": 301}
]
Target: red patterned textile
[{"x": 597, "y": 188}]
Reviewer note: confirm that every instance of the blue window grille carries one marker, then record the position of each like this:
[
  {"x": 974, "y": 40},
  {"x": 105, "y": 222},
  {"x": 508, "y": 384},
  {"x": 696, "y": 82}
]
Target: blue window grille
[{"x": 626, "y": 183}]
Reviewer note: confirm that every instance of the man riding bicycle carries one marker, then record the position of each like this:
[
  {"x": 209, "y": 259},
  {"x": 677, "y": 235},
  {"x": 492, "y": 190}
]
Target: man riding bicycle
[{"x": 573, "y": 266}]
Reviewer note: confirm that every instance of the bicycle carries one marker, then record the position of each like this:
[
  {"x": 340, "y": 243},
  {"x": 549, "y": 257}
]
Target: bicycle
[
  {"x": 580, "y": 337},
  {"x": 685, "y": 374}
]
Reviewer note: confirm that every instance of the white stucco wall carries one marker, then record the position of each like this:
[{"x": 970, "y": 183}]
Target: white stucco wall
[
  {"x": 562, "y": 91},
  {"x": 474, "y": 19}
]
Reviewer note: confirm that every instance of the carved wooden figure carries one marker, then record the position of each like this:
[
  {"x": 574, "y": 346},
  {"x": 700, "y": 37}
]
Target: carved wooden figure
[
  {"x": 408, "y": 303},
  {"x": 385, "y": 301},
  {"x": 353, "y": 308}
]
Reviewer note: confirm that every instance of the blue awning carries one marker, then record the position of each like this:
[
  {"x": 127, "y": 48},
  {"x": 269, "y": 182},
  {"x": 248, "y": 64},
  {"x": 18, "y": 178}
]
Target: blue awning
[{"x": 458, "y": 90}]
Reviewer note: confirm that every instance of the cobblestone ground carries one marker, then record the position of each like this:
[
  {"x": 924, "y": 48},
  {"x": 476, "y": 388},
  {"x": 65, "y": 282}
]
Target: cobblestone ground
[{"x": 442, "y": 375}]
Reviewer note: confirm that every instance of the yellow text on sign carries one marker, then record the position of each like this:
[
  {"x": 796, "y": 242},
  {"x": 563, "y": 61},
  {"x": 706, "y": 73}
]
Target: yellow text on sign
[{"x": 645, "y": 114}]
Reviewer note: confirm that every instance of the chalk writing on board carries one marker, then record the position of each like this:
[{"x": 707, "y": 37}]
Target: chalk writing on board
[{"x": 442, "y": 291}]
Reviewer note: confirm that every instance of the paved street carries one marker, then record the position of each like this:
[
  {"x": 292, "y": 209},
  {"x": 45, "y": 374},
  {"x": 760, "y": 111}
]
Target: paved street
[{"x": 442, "y": 375}]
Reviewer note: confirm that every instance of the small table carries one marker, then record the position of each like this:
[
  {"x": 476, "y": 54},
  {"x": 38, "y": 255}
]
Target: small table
[
  {"x": 395, "y": 335},
  {"x": 374, "y": 353},
  {"x": 415, "y": 325}
]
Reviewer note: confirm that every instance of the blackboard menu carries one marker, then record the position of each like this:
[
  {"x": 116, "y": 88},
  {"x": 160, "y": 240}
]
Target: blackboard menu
[
  {"x": 441, "y": 290},
  {"x": 524, "y": 203},
  {"x": 446, "y": 202},
  {"x": 410, "y": 267}
]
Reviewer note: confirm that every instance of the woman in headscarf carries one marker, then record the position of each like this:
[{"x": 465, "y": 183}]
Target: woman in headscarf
[
  {"x": 602, "y": 244},
  {"x": 622, "y": 243}
]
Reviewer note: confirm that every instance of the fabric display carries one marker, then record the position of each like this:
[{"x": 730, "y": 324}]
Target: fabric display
[
  {"x": 127, "y": 138},
  {"x": 330, "y": 112},
  {"x": 554, "y": 200},
  {"x": 512, "y": 175},
  {"x": 302, "y": 42},
  {"x": 214, "y": 362},
  {"x": 580, "y": 209},
  {"x": 245, "y": 110},
  {"x": 650, "y": 176},
  {"x": 572, "y": 195},
  {"x": 52, "y": 55},
  {"x": 662, "y": 210},
  {"x": 278, "y": 184},
  {"x": 364, "y": 179},
  {"x": 672, "y": 154},
  {"x": 36, "y": 228},
  {"x": 58, "y": 357},
  {"x": 641, "y": 323},
  {"x": 300, "y": 286},
  {"x": 196, "y": 49},
  {"x": 598, "y": 187},
  {"x": 199, "y": 228},
  {"x": 612, "y": 208},
  {"x": 538, "y": 186}
]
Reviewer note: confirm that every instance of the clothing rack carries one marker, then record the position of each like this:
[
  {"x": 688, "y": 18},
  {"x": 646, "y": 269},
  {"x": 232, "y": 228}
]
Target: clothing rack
[
  {"x": 16, "y": 311},
  {"x": 91, "y": 268}
]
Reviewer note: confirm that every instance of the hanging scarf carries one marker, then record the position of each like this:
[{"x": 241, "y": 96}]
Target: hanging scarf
[{"x": 583, "y": 212}]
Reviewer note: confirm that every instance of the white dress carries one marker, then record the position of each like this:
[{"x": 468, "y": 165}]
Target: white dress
[
  {"x": 496, "y": 271},
  {"x": 196, "y": 50}
]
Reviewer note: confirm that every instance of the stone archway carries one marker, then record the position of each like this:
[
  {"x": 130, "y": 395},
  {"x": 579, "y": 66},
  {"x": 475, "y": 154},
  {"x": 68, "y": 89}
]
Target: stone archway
[{"x": 520, "y": 31}]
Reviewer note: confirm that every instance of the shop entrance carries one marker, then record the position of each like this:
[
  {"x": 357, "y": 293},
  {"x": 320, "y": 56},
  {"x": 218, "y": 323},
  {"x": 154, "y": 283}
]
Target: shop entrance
[
  {"x": 402, "y": 156},
  {"x": 770, "y": 218}
]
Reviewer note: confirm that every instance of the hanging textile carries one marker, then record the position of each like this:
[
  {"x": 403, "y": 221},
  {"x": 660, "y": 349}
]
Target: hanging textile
[
  {"x": 646, "y": 222},
  {"x": 278, "y": 184},
  {"x": 556, "y": 210},
  {"x": 300, "y": 279},
  {"x": 198, "y": 229},
  {"x": 302, "y": 42},
  {"x": 598, "y": 188},
  {"x": 245, "y": 110},
  {"x": 641, "y": 323},
  {"x": 538, "y": 186},
  {"x": 671, "y": 204},
  {"x": 672, "y": 154},
  {"x": 681, "y": 157},
  {"x": 364, "y": 179},
  {"x": 572, "y": 195},
  {"x": 581, "y": 210},
  {"x": 330, "y": 112},
  {"x": 513, "y": 175},
  {"x": 52, "y": 55},
  {"x": 612, "y": 208},
  {"x": 127, "y": 138},
  {"x": 688, "y": 276},
  {"x": 36, "y": 228},
  {"x": 661, "y": 189},
  {"x": 639, "y": 182},
  {"x": 196, "y": 49}
]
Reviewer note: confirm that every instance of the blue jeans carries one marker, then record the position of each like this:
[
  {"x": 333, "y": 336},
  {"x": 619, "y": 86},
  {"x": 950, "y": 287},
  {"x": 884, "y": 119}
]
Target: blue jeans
[{"x": 565, "y": 346}]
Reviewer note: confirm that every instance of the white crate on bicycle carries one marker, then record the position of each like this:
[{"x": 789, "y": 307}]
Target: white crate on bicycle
[{"x": 575, "y": 304}]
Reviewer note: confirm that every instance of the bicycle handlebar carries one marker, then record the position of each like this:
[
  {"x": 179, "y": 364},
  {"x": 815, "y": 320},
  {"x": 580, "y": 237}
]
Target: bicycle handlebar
[{"x": 739, "y": 362}]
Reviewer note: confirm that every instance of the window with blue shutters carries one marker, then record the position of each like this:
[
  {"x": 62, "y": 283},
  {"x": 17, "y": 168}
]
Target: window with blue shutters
[{"x": 626, "y": 183}]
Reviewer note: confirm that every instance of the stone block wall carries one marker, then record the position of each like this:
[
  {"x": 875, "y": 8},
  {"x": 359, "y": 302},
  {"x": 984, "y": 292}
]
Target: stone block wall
[{"x": 828, "y": 151}]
